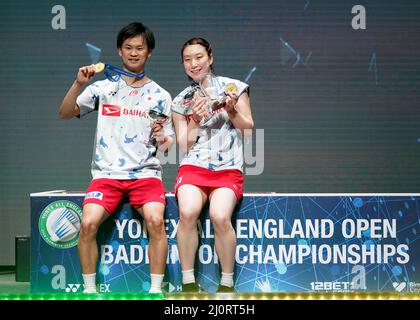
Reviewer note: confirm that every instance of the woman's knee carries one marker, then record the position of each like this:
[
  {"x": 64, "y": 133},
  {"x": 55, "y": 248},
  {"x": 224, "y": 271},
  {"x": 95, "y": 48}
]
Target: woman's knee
[
  {"x": 221, "y": 223},
  {"x": 189, "y": 216}
]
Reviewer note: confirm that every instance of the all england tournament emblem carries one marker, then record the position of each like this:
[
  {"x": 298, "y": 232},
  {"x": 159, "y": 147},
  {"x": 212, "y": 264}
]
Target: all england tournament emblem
[{"x": 59, "y": 224}]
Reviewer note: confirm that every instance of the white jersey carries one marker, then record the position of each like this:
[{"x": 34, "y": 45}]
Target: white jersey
[
  {"x": 123, "y": 146},
  {"x": 219, "y": 144}
]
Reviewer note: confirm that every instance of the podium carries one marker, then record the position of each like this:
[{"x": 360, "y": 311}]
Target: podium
[{"x": 285, "y": 243}]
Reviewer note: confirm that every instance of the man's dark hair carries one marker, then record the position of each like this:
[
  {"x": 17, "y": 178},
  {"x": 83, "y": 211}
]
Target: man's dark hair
[{"x": 136, "y": 29}]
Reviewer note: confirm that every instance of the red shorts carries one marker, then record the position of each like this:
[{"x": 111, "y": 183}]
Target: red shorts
[
  {"x": 209, "y": 180},
  {"x": 109, "y": 192}
]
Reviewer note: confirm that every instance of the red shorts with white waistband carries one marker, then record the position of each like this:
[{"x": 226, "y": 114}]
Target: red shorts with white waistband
[
  {"x": 109, "y": 192},
  {"x": 209, "y": 180}
]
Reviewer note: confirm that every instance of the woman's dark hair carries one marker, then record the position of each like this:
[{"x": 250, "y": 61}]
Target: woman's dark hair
[
  {"x": 136, "y": 29},
  {"x": 199, "y": 41}
]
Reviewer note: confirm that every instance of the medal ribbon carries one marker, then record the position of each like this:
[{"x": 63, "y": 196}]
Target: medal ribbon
[{"x": 119, "y": 72}]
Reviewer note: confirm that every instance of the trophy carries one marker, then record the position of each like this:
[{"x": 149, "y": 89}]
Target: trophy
[
  {"x": 189, "y": 98},
  {"x": 156, "y": 115},
  {"x": 213, "y": 90}
]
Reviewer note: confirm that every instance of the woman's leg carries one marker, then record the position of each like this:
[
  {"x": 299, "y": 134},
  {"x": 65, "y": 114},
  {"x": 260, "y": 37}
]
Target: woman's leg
[
  {"x": 191, "y": 200},
  {"x": 222, "y": 204}
]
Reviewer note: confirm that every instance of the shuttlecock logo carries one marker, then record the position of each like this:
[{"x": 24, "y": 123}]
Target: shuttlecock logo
[{"x": 59, "y": 224}]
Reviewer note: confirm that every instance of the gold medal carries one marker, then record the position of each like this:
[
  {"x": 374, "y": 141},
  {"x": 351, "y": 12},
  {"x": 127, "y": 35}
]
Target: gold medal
[
  {"x": 99, "y": 67},
  {"x": 231, "y": 88}
]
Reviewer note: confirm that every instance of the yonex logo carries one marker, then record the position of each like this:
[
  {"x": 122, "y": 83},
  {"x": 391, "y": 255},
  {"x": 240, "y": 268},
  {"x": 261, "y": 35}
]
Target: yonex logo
[
  {"x": 95, "y": 195},
  {"x": 399, "y": 286},
  {"x": 111, "y": 110},
  {"x": 72, "y": 287}
]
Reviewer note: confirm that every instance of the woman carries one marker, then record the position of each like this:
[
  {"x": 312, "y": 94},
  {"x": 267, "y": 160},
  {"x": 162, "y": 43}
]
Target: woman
[{"x": 212, "y": 167}]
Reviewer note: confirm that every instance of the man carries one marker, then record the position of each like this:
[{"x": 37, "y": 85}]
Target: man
[{"x": 124, "y": 160}]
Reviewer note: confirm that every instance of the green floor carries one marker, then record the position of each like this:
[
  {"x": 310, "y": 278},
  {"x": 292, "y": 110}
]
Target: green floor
[
  {"x": 8, "y": 285},
  {"x": 12, "y": 290}
]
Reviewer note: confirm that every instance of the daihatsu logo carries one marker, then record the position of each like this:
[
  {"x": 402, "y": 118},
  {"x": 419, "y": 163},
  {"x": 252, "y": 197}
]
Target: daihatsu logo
[{"x": 111, "y": 110}]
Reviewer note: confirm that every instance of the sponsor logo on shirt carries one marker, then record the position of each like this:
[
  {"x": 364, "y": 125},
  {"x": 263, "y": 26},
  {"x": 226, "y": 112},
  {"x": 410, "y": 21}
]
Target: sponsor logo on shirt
[
  {"x": 133, "y": 92},
  {"x": 111, "y": 110},
  {"x": 136, "y": 113}
]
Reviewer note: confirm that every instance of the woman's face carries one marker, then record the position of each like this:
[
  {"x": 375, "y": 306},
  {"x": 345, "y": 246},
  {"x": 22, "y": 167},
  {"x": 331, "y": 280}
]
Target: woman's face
[{"x": 196, "y": 61}]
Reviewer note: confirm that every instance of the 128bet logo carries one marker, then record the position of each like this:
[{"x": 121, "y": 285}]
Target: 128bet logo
[{"x": 358, "y": 282}]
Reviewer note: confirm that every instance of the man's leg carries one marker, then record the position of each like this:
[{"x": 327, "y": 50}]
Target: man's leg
[
  {"x": 153, "y": 213},
  {"x": 93, "y": 216}
]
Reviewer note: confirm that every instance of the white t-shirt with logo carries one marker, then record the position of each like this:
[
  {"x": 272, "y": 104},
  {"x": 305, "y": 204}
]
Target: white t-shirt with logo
[
  {"x": 123, "y": 146},
  {"x": 219, "y": 144}
]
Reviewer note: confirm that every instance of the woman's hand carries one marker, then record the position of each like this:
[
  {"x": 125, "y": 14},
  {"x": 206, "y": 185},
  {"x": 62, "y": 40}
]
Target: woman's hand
[
  {"x": 199, "y": 110},
  {"x": 230, "y": 103}
]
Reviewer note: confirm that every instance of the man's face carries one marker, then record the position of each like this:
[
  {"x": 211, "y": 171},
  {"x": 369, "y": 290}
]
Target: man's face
[{"x": 134, "y": 53}]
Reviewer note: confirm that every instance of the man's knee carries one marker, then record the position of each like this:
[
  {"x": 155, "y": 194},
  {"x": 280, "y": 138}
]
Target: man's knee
[
  {"x": 88, "y": 228},
  {"x": 155, "y": 225}
]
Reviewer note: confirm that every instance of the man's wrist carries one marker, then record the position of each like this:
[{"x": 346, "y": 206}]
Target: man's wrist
[{"x": 77, "y": 84}]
